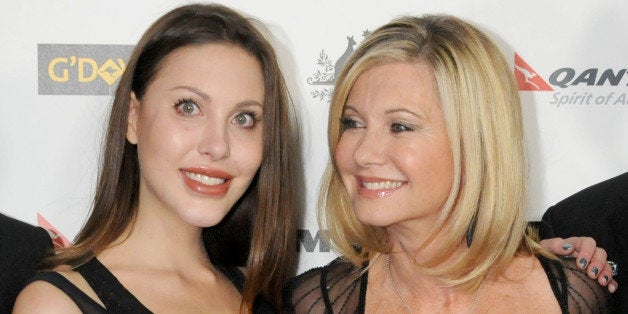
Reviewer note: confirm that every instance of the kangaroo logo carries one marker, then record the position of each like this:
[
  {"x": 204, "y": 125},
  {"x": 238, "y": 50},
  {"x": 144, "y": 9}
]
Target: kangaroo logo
[
  {"x": 328, "y": 70},
  {"x": 527, "y": 78},
  {"x": 58, "y": 240}
]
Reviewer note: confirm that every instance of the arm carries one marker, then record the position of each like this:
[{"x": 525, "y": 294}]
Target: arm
[{"x": 43, "y": 297}]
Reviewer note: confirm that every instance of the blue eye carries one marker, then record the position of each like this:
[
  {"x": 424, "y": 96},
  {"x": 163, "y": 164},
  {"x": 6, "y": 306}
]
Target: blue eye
[
  {"x": 246, "y": 119},
  {"x": 349, "y": 123},
  {"x": 187, "y": 107},
  {"x": 398, "y": 127}
]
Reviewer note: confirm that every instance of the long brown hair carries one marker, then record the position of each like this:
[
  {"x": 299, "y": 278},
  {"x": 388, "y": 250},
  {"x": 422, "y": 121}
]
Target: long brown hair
[{"x": 258, "y": 231}]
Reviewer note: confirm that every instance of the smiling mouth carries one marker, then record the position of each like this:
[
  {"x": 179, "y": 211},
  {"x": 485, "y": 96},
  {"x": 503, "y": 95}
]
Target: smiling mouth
[
  {"x": 384, "y": 185},
  {"x": 207, "y": 180}
]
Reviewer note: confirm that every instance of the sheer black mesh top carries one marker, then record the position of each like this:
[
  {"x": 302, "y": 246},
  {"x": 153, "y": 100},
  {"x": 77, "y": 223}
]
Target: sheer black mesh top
[{"x": 340, "y": 287}]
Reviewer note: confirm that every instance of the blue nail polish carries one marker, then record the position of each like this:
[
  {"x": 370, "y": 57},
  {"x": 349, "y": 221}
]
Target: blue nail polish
[
  {"x": 594, "y": 270},
  {"x": 605, "y": 279},
  {"x": 583, "y": 262},
  {"x": 567, "y": 246}
]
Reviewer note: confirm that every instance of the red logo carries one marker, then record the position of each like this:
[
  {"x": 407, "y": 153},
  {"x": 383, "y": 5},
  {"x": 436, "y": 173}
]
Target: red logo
[{"x": 527, "y": 78}]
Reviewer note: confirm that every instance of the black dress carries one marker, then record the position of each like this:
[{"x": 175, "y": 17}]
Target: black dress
[
  {"x": 340, "y": 287},
  {"x": 115, "y": 297}
]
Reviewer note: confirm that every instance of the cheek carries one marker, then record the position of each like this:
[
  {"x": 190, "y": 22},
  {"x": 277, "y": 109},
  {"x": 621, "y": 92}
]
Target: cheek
[
  {"x": 343, "y": 157},
  {"x": 249, "y": 154},
  {"x": 165, "y": 139},
  {"x": 163, "y": 142},
  {"x": 444, "y": 158},
  {"x": 430, "y": 166}
]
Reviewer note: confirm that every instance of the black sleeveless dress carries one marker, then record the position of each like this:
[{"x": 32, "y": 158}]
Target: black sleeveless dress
[{"x": 115, "y": 297}]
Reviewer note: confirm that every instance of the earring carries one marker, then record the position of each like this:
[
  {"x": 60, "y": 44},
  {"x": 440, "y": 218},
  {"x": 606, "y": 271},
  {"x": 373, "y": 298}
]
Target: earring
[{"x": 356, "y": 247}]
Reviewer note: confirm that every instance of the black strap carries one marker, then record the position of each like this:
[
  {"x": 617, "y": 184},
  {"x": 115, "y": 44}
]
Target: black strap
[
  {"x": 82, "y": 300},
  {"x": 115, "y": 297}
]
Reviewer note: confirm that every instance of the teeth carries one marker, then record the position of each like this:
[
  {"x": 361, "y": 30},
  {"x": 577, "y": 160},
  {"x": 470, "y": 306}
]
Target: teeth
[
  {"x": 204, "y": 179},
  {"x": 381, "y": 185}
]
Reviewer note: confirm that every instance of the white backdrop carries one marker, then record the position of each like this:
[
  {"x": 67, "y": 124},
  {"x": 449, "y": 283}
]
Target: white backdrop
[{"x": 50, "y": 137}]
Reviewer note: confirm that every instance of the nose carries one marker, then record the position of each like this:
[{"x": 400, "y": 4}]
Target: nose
[
  {"x": 214, "y": 142},
  {"x": 370, "y": 149}
]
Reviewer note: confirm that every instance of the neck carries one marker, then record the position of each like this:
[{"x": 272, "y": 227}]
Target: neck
[
  {"x": 417, "y": 290},
  {"x": 410, "y": 238},
  {"x": 159, "y": 241}
]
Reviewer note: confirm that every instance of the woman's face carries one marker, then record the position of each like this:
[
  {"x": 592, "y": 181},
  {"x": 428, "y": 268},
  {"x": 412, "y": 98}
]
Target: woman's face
[
  {"x": 394, "y": 155},
  {"x": 199, "y": 132}
]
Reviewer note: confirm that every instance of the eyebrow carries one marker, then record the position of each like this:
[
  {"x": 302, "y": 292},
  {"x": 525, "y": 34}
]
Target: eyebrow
[
  {"x": 395, "y": 110},
  {"x": 389, "y": 111},
  {"x": 207, "y": 98},
  {"x": 194, "y": 90}
]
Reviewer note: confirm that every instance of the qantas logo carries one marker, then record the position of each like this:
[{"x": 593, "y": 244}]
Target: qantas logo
[
  {"x": 564, "y": 78},
  {"x": 527, "y": 78}
]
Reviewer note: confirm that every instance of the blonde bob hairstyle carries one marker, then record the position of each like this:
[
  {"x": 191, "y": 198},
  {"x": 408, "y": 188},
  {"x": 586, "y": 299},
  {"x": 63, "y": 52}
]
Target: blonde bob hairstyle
[{"x": 482, "y": 110}]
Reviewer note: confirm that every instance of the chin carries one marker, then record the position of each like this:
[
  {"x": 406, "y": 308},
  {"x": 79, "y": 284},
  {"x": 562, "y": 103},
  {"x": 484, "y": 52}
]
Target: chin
[
  {"x": 206, "y": 219},
  {"x": 374, "y": 219}
]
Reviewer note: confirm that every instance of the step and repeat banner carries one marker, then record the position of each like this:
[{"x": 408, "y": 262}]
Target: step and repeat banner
[{"x": 61, "y": 61}]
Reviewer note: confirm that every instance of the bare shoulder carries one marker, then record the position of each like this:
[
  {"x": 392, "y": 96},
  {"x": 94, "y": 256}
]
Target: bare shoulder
[
  {"x": 43, "y": 297},
  {"x": 522, "y": 285},
  {"x": 545, "y": 284}
]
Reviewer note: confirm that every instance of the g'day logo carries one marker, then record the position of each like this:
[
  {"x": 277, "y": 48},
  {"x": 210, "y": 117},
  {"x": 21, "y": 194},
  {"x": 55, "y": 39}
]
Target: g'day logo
[
  {"x": 80, "y": 69},
  {"x": 573, "y": 86}
]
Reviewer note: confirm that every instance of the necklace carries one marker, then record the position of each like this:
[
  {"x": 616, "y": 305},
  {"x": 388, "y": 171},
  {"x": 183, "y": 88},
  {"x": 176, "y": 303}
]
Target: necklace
[{"x": 405, "y": 303}]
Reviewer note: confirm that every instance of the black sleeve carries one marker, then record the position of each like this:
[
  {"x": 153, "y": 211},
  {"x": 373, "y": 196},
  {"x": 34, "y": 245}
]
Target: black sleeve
[
  {"x": 22, "y": 247},
  {"x": 574, "y": 290}
]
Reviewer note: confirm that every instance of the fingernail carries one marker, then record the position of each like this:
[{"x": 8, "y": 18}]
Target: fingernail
[
  {"x": 594, "y": 270},
  {"x": 567, "y": 246},
  {"x": 583, "y": 262},
  {"x": 605, "y": 279}
]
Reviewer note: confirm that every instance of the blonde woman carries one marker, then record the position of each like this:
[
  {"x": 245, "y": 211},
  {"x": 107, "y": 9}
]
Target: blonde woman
[{"x": 425, "y": 196}]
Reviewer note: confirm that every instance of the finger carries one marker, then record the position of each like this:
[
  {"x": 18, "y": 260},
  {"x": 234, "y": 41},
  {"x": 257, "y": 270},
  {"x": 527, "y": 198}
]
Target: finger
[
  {"x": 597, "y": 263},
  {"x": 612, "y": 286},
  {"x": 557, "y": 246},
  {"x": 584, "y": 249},
  {"x": 606, "y": 275}
]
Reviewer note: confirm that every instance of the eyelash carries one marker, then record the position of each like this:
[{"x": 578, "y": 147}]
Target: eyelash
[
  {"x": 349, "y": 123},
  {"x": 253, "y": 115},
  {"x": 183, "y": 102},
  {"x": 405, "y": 128}
]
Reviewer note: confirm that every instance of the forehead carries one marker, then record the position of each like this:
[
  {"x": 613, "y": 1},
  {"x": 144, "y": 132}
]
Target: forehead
[
  {"x": 215, "y": 68},
  {"x": 209, "y": 56},
  {"x": 395, "y": 84}
]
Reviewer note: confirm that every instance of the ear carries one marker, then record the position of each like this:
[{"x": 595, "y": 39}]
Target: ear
[{"x": 132, "y": 117}]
